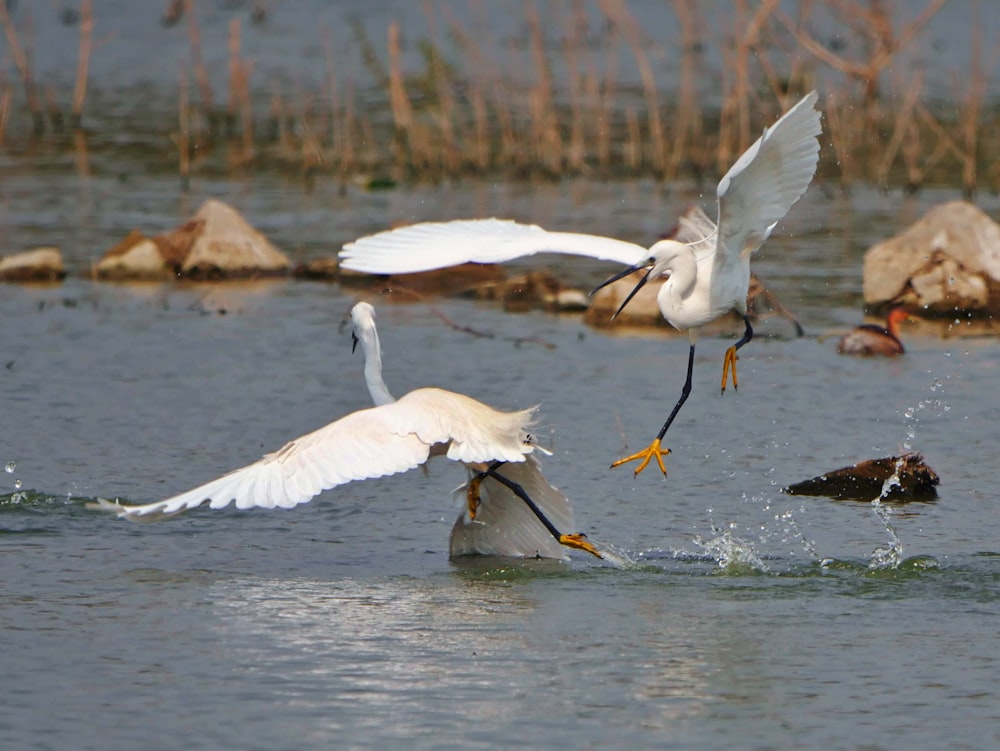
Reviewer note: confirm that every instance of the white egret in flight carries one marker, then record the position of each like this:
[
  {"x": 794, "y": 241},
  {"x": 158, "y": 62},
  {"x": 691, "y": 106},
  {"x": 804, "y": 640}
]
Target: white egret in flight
[
  {"x": 395, "y": 436},
  {"x": 707, "y": 264}
]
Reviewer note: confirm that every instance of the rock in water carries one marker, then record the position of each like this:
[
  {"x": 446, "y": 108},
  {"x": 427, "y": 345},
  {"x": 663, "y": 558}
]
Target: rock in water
[
  {"x": 948, "y": 262},
  {"x": 38, "y": 265},
  {"x": 864, "y": 481}
]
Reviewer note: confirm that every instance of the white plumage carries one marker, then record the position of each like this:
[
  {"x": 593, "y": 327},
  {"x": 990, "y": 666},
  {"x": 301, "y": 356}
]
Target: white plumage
[
  {"x": 708, "y": 261},
  {"x": 393, "y": 437},
  {"x": 707, "y": 264}
]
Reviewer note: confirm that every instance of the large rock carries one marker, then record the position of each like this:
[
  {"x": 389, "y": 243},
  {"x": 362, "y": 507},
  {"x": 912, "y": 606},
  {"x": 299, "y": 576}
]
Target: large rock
[
  {"x": 38, "y": 265},
  {"x": 227, "y": 246},
  {"x": 217, "y": 243},
  {"x": 948, "y": 262},
  {"x": 135, "y": 257}
]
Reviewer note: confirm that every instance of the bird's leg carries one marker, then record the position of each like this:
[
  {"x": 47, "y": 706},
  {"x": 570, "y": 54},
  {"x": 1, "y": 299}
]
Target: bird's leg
[
  {"x": 731, "y": 357},
  {"x": 472, "y": 490},
  {"x": 578, "y": 540},
  {"x": 654, "y": 449}
]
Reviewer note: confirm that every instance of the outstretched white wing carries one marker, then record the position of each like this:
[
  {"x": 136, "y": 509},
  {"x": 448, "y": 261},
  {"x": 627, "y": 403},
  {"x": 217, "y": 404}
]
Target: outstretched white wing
[
  {"x": 770, "y": 176},
  {"x": 504, "y": 525},
  {"x": 370, "y": 443},
  {"x": 438, "y": 245}
]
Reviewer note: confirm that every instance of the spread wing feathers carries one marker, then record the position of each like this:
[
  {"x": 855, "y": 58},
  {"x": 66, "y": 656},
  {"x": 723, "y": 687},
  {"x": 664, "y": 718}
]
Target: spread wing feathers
[
  {"x": 764, "y": 183},
  {"x": 437, "y": 245},
  {"x": 696, "y": 230},
  {"x": 366, "y": 444},
  {"x": 504, "y": 524}
]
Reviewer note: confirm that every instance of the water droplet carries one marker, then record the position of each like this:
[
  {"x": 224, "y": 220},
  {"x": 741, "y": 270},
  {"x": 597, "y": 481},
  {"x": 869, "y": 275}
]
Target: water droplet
[{"x": 10, "y": 466}]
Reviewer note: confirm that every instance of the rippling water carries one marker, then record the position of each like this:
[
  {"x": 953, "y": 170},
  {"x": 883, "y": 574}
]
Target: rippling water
[
  {"x": 741, "y": 617},
  {"x": 732, "y": 616}
]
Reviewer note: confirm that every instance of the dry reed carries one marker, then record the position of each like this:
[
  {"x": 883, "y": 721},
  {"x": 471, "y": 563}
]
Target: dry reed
[
  {"x": 82, "y": 61},
  {"x": 555, "y": 101}
]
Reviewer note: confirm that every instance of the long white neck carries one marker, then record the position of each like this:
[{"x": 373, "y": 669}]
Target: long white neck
[
  {"x": 365, "y": 331},
  {"x": 679, "y": 260},
  {"x": 373, "y": 369}
]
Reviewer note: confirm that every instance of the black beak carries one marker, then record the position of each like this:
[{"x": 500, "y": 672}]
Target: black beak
[
  {"x": 623, "y": 274},
  {"x": 354, "y": 342}
]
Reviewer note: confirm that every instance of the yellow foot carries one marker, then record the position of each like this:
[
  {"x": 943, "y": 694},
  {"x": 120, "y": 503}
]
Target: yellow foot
[
  {"x": 579, "y": 541},
  {"x": 730, "y": 362},
  {"x": 646, "y": 454},
  {"x": 472, "y": 496}
]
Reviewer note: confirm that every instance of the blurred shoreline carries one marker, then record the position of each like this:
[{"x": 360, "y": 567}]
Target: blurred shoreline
[{"x": 400, "y": 93}]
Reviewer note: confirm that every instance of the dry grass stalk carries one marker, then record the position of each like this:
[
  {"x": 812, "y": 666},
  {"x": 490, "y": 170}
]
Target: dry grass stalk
[
  {"x": 311, "y": 147},
  {"x": 200, "y": 72},
  {"x": 83, "y": 60},
  {"x": 239, "y": 91},
  {"x": 632, "y": 151},
  {"x": 576, "y": 144},
  {"x": 52, "y": 107},
  {"x": 545, "y": 129},
  {"x": 347, "y": 156},
  {"x": 736, "y": 131},
  {"x": 972, "y": 107},
  {"x": 688, "y": 120},
  {"x": 875, "y": 23},
  {"x": 82, "y": 159},
  {"x": 407, "y": 137},
  {"x": 450, "y": 162},
  {"x": 606, "y": 106},
  {"x": 184, "y": 131},
  {"x": 904, "y": 130},
  {"x": 618, "y": 14},
  {"x": 4, "y": 111},
  {"x": 840, "y": 130},
  {"x": 23, "y": 65}
]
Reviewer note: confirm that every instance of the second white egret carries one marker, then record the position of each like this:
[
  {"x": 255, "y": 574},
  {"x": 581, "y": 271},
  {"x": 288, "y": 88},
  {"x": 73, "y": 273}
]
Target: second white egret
[
  {"x": 396, "y": 436},
  {"x": 707, "y": 264}
]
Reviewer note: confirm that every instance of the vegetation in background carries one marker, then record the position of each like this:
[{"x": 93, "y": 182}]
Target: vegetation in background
[{"x": 554, "y": 106}]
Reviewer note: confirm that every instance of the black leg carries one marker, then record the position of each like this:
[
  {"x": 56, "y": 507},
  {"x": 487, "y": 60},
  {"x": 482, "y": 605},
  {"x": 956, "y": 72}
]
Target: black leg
[
  {"x": 520, "y": 492},
  {"x": 578, "y": 540},
  {"x": 747, "y": 334},
  {"x": 685, "y": 393}
]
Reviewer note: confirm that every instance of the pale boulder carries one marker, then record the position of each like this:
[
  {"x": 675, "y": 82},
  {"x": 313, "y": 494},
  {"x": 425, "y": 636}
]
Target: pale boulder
[
  {"x": 37, "y": 265},
  {"x": 228, "y": 246},
  {"x": 948, "y": 262},
  {"x": 135, "y": 257},
  {"x": 217, "y": 243}
]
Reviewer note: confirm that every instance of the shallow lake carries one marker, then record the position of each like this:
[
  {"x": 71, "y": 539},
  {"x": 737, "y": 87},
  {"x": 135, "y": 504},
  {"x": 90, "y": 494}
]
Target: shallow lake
[{"x": 740, "y": 616}]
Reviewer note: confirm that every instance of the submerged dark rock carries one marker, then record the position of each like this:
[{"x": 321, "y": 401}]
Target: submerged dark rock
[{"x": 864, "y": 481}]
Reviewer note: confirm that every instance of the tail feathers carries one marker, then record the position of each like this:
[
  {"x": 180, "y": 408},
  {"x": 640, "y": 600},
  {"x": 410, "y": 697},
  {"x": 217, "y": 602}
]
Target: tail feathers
[{"x": 504, "y": 525}]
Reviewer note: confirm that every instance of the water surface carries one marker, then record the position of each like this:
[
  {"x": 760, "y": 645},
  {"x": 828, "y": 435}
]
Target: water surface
[{"x": 746, "y": 617}]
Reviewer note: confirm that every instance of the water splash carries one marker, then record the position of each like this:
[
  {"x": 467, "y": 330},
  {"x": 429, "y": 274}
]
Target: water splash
[
  {"x": 890, "y": 554},
  {"x": 730, "y": 552},
  {"x": 932, "y": 407},
  {"x": 620, "y": 558},
  {"x": 9, "y": 468},
  {"x": 792, "y": 531}
]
